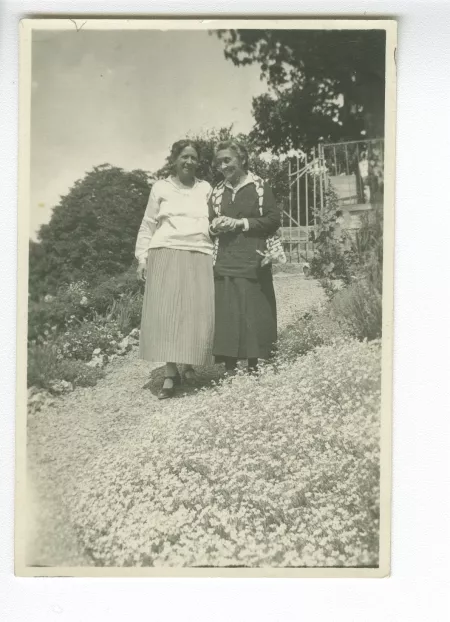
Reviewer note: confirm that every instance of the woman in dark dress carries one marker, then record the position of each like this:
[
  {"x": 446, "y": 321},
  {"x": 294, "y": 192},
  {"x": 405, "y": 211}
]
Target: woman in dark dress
[{"x": 243, "y": 213}]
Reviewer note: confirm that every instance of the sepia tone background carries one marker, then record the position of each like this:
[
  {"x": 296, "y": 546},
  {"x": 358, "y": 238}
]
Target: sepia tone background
[{"x": 91, "y": 419}]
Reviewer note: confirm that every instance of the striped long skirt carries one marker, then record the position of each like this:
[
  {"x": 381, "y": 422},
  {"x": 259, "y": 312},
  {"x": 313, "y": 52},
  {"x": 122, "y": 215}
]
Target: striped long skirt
[{"x": 178, "y": 310}]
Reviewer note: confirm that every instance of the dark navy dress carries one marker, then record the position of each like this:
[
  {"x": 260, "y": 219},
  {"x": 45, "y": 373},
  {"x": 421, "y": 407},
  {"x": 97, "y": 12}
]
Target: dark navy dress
[{"x": 245, "y": 306}]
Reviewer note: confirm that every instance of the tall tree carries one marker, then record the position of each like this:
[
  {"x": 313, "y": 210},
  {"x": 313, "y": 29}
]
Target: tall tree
[
  {"x": 92, "y": 232},
  {"x": 323, "y": 84}
]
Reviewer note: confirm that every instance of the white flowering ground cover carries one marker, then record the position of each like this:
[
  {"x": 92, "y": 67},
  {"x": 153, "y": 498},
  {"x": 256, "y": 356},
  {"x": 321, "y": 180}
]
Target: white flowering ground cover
[{"x": 280, "y": 470}]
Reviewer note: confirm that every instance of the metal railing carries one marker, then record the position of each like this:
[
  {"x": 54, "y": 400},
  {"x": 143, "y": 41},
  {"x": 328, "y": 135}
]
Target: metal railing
[{"x": 355, "y": 170}]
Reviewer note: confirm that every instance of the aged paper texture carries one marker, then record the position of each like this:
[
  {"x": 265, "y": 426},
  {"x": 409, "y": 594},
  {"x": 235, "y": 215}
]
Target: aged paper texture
[{"x": 142, "y": 257}]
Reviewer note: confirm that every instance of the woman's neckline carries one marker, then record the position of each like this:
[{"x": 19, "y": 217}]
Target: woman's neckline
[
  {"x": 175, "y": 180},
  {"x": 240, "y": 181}
]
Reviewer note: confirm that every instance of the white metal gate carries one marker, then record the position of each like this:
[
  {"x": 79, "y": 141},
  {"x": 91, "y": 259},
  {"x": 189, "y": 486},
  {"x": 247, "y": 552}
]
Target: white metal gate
[
  {"x": 355, "y": 169},
  {"x": 307, "y": 183}
]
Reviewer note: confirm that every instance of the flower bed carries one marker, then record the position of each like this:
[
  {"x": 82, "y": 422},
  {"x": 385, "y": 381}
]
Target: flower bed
[
  {"x": 282, "y": 470},
  {"x": 81, "y": 328},
  {"x": 314, "y": 328},
  {"x": 82, "y": 339},
  {"x": 116, "y": 298},
  {"x": 359, "y": 310},
  {"x": 47, "y": 370},
  {"x": 279, "y": 471},
  {"x": 77, "y": 357}
]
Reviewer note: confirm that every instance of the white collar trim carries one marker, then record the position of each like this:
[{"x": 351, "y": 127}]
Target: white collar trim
[{"x": 248, "y": 179}]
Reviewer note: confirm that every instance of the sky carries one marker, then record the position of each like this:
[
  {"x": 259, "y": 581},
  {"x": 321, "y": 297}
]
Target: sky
[{"x": 123, "y": 98}]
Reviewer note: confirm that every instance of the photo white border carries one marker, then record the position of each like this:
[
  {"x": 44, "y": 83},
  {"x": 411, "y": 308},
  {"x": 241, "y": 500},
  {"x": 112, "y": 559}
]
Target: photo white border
[
  {"x": 26, "y": 28},
  {"x": 417, "y": 589}
]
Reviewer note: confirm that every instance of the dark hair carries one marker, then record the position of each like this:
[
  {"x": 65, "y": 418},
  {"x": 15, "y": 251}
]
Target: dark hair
[
  {"x": 238, "y": 149},
  {"x": 178, "y": 147}
]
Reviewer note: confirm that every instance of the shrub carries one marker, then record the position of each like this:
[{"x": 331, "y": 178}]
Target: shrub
[
  {"x": 53, "y": 312},
  {"x": 331, "y": 286},
  {"x": 81, "y": 301},
  {"x": 92, "y": 230},
  {"x": 309, "y": 331},
  {"x": 369, "y": 242},
  {"x": 358, "y": 309},
  {"x": 45, "y": 366},
  {"x": 331, "y": 260},
  {"x": 339, "y": 256},
  {"x": 103, "y": 294},
  {"x": 81, "y": 339},
  {"x": 126, "y": 312},
  {"x": 367, "y": 247}
]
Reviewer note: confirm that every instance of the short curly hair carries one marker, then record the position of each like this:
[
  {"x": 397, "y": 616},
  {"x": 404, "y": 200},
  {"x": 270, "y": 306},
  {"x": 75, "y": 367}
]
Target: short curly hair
[
  {"x": 178, "y": 147},
  {"x": 238, "y": 148}
]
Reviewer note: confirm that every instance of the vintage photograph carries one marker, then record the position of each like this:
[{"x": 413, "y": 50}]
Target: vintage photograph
[{"x": 205, "y": 297}]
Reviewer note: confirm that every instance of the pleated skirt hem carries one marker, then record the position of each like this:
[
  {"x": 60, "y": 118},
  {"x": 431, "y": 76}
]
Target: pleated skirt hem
[{"x": 177, "y": 323}]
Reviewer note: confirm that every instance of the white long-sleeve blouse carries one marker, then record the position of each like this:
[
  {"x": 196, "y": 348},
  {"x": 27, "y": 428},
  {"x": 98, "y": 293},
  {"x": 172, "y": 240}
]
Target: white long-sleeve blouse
[{"x": 176, "y": 217}]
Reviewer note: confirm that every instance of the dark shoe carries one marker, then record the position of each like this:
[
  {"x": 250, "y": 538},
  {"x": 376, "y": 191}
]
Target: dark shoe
[
  {"x": 231, "y": 364},
  {"x": 189, "y": 376},
  {"x": 165, "y": 393},
  {"x": 252, "y": 367}
]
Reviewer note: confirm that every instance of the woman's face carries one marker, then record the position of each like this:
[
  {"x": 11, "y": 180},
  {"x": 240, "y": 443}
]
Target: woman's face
[
  {"x": 229, "y": 164},
  {"x": 186, "y": 162}
]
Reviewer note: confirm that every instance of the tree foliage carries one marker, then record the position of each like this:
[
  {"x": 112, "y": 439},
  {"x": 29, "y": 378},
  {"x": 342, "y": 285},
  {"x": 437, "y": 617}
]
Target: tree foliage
[
  {"x": 323, "y": 84},
  {"x": 92, "y": 232}
]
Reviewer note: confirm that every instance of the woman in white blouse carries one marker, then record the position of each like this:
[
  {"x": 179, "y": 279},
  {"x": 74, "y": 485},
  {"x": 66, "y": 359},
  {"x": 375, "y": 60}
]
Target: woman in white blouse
[{"x": 174, "y": 251}]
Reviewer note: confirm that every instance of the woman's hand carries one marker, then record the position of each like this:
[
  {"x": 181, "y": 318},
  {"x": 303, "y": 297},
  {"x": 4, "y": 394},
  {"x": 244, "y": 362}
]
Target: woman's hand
[
  {"x": 218, "y": 224},
  {"x": 214, "y": 226},
  {"x": 224, "y": 224},
  {"x": 142, "y": 271}
]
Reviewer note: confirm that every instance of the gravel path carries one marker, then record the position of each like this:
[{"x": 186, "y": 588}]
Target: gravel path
[{"x": 92, "y": 421}]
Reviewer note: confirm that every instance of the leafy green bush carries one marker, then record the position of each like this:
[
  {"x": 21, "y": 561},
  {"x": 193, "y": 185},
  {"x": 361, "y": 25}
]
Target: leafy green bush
[
  {"x": 358, "y": 305},
  {"x": 53, "y": 312},
  {"x": 81, "y": 339},
  {"x": 103, "y": 294},
  {"x": 45, "y": 367},
  {"x": 368, "y": 247},
  {"x": 92, "y": 231},
  {"x": 66, "y": 329},
  {"x": 82, "y": 301},
  {"x": 341, "y": 257},
  {"x": 309, "y": 331},
  {"x": 331, "y": 259},
  {"x": 358, "y": 309},
  {"x": 331, "y": 262},
  {"x": 127, "y": 312}
]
